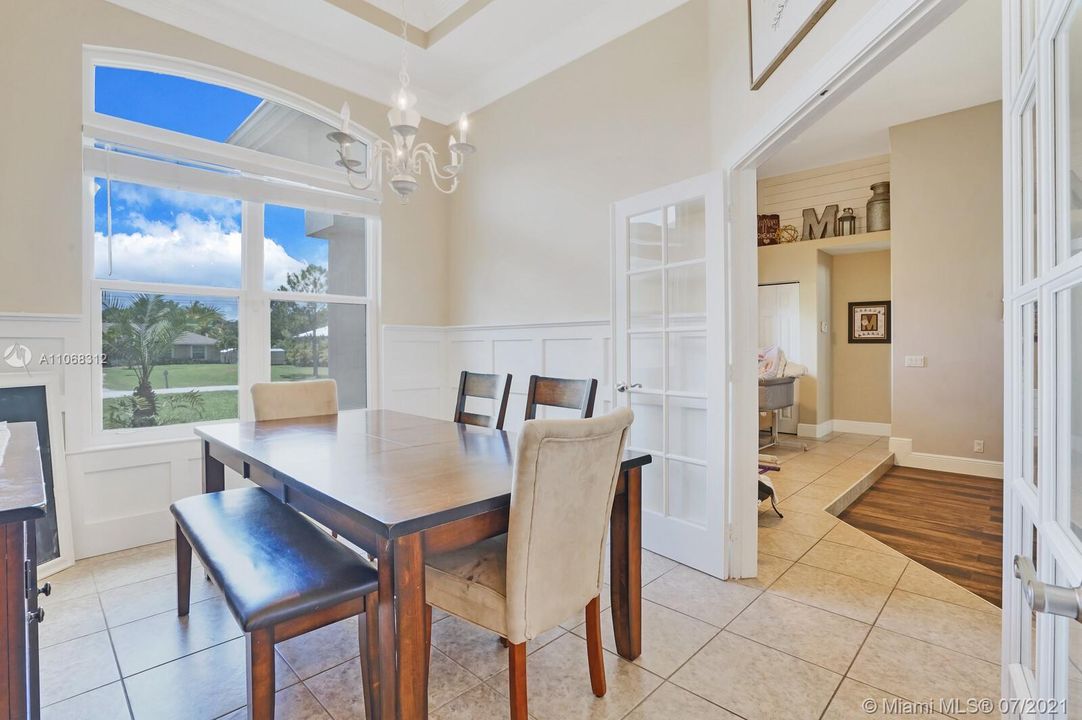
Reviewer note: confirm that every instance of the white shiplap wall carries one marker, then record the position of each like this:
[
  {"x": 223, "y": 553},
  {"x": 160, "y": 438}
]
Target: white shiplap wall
[{"x": 846, "y": 184}]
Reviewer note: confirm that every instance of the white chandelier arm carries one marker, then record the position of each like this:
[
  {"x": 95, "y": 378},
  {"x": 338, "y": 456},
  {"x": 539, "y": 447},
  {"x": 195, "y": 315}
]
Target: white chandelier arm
[
  {"x": 430, "y": 160},
  {"x": 382, "y": 149},
  {"x": 429, "y": 153}
]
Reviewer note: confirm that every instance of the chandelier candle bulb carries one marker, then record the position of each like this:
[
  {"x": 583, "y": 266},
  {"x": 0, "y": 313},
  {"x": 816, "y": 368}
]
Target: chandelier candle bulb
[
  {"x": 463, "y": 128},
  {"x": 345, "y": 118}
]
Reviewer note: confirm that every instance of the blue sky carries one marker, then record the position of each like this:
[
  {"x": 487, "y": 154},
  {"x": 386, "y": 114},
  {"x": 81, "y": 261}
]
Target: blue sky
[{"x": 157, "y": 231}]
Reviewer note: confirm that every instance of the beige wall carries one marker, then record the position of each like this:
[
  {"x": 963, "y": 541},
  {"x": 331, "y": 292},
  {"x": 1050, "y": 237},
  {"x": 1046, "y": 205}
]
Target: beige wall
[
  {"x": 861, "y": 373},
  {"x": 529, "y": 237},
  {"x": 946, "y": 270},
  {"x": 40, "y": 128}
]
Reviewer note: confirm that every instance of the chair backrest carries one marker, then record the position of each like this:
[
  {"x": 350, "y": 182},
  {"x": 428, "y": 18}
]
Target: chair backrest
[
  {"x": 561, "y": 499},
  {"x": 282, "y": 400},
  {"x": 561, "y": 392},
  {"x": 479, "y": 385}
]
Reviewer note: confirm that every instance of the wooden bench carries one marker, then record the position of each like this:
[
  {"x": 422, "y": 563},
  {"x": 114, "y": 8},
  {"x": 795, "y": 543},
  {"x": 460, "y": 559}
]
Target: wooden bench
[{"x": 281, "y": 576}]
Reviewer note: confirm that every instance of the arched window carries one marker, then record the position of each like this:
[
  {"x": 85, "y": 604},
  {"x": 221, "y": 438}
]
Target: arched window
[{"x": 226, "y": 246}]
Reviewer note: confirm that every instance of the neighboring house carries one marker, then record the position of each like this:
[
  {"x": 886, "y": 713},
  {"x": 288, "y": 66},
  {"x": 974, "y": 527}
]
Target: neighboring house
[{"x": 192, "y": 346}]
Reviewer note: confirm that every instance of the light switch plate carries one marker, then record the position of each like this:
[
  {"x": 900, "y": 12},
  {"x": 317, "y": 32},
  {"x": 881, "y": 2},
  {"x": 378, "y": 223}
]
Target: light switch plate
[{"x": 915, "y": 361}]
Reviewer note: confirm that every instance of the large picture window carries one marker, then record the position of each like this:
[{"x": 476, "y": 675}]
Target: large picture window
[{"x": 210, "y": 272}]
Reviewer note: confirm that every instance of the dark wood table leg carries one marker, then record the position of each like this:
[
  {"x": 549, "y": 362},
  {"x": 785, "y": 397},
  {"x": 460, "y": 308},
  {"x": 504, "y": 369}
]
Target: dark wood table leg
[
  {"x": 626, "y": 566},
  {"x": 403, "y": 654},
  {"x": 388, "y": 668},
  {"x": 213, "y": 471},
  {"x": 409, "y": 619}
]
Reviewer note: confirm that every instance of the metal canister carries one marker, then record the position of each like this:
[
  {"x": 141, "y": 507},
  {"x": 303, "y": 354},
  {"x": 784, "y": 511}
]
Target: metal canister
[{"x": 878, "y": 215}]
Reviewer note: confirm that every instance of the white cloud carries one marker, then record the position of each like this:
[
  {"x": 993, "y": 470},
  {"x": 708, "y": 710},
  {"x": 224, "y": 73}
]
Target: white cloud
[
  {"x": 190, "y": 252},
  {"x": 140, "y": 197}
]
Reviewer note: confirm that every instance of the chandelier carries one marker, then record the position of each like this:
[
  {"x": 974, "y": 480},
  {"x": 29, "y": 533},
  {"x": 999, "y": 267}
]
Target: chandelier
[{"x": 402, "y": 160}]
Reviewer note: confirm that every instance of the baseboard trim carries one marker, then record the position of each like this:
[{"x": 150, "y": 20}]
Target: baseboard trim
[
  {"x": 861, "y": 427},
  {"x": 811, "y": 430},
  {"x": 905, "y": 457}
]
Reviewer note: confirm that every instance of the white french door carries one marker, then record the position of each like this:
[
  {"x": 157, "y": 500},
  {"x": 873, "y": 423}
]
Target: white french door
[
  {"x": 666, "y": 265},
  {"x": 1042, "y": 640}
]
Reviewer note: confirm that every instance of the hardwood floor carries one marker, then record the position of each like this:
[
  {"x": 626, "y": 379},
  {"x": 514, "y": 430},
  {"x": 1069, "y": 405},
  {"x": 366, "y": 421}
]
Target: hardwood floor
[{"x": 950, "y": 523}]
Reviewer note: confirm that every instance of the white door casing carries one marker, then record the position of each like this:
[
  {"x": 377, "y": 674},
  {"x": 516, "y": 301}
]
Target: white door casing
[{"x": 667, "y": 270}]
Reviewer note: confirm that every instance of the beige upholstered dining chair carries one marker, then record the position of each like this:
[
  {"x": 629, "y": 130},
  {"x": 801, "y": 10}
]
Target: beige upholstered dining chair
[
  {"x": 550, "y": 563},
  {"x": 283, "y": 400}
]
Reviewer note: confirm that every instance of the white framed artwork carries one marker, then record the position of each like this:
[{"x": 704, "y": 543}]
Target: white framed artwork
[{"x": 776, "y": 27}]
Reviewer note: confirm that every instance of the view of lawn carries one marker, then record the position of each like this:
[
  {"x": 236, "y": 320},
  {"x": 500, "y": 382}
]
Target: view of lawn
[
  {"x": 221, "y": 405},
  {"x": 199, "y": 375}
]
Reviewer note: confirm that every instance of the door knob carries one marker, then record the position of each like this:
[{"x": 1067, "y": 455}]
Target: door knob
[
  {"x": 624, "y": 387},
  {"x": 46, "y": 589},
  {"x": 37, "y": 616},
  {"x": 1045, "y": 598}
]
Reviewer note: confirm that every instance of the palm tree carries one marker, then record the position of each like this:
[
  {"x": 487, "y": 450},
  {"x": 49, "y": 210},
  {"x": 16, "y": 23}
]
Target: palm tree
[{"x": 140, "y": 333}]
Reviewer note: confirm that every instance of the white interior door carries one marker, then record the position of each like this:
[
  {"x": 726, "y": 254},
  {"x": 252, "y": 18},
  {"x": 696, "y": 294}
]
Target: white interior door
[
  {"x": 779, "y": 324},
  {"x": 1042, "y": 640},
  {"x": 665, "y": 287}
]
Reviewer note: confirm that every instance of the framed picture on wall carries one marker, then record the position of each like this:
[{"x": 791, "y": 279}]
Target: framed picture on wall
[
  {"x": 776, "y": 27},
  {"x": 869, "y": 322},
  {"x": 35, "y": 397}
]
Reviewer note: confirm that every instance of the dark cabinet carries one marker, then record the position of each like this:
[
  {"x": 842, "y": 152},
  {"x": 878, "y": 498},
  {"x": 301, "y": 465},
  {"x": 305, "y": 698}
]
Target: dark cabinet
[{"x": 22, "y": 502}]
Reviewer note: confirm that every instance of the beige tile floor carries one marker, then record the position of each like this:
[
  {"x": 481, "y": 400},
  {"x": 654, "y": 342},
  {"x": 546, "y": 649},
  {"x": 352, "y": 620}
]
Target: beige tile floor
[{"x": 833, "y": 618}]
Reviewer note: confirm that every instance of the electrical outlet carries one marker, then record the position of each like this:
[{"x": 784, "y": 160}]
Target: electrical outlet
[
  {"x": 978, "y": 446},
  {"x": 915, "y": 361}
]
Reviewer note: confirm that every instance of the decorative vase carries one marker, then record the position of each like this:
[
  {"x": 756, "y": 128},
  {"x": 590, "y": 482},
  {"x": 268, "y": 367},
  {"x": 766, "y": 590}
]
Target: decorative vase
[{"x": 878, "y": 216}]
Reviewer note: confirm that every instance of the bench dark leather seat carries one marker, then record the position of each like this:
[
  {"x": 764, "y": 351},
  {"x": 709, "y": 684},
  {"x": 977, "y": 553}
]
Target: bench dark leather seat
[
  {"x": 270, "y": 562},
  {"x": 281, "y": 576}
]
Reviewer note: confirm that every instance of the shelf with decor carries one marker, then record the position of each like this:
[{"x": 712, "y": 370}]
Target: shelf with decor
[{"x": 859, "y": 242}]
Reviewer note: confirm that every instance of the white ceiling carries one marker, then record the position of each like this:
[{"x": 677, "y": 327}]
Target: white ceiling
[
  {"x": 955, "y": 66},
  {"x": 423, "y": 14},
  {"x": 504, "y": 46}
]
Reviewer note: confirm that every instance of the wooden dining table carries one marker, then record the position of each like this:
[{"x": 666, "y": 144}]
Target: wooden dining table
[{"x": 401, "y": 486}]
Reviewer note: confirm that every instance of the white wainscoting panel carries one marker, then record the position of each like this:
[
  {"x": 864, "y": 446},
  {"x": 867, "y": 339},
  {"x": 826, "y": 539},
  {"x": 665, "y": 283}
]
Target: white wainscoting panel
[{"x": 579, "y": 350}]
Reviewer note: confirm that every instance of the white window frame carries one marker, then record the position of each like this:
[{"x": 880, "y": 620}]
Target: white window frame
[{"x": 262, "y": 179}]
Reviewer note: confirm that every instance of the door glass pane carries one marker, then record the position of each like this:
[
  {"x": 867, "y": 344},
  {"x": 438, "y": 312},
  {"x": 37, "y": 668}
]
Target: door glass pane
[
  {"x": 1072, "y": 76},
  {"x": 687, "y": 492},
  {"x": 1070, "y": 383},
  {"x": 645, "y": 290},
  {"x": 687, "y": 362},
  {"x": 687, "y": 295},
  {"x": 687, "y": 427},
  {"x": 307, "y": 251},
  {"x": 145, "y": 233},
  {"x": 312, "y": 340},
  {"x": 1031, "y": 397},
  {"x": 647, "y": 359},
  {"x": 170, "y": 359},
  {"x": 685, "y": 230},
  {"x": 1030, "y": 243},
  {"x": 648, "y": 430},
  {"x": 644, "y": 240}
]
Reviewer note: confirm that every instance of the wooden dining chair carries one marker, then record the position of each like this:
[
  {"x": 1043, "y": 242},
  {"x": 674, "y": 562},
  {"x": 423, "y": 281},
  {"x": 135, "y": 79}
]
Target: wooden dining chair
[
  {"x": 283, "y": 400},
  {"x": 479, "y": 385},
  {"x": 561, "y": 392},
  {"x": 550, "y": 563}
]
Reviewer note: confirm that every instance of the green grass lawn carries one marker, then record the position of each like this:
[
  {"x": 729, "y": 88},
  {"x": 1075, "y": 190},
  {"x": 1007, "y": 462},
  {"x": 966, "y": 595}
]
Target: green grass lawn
[
  {"x": 221, "y": 405},
  {"x": 199, "y": 375}
]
